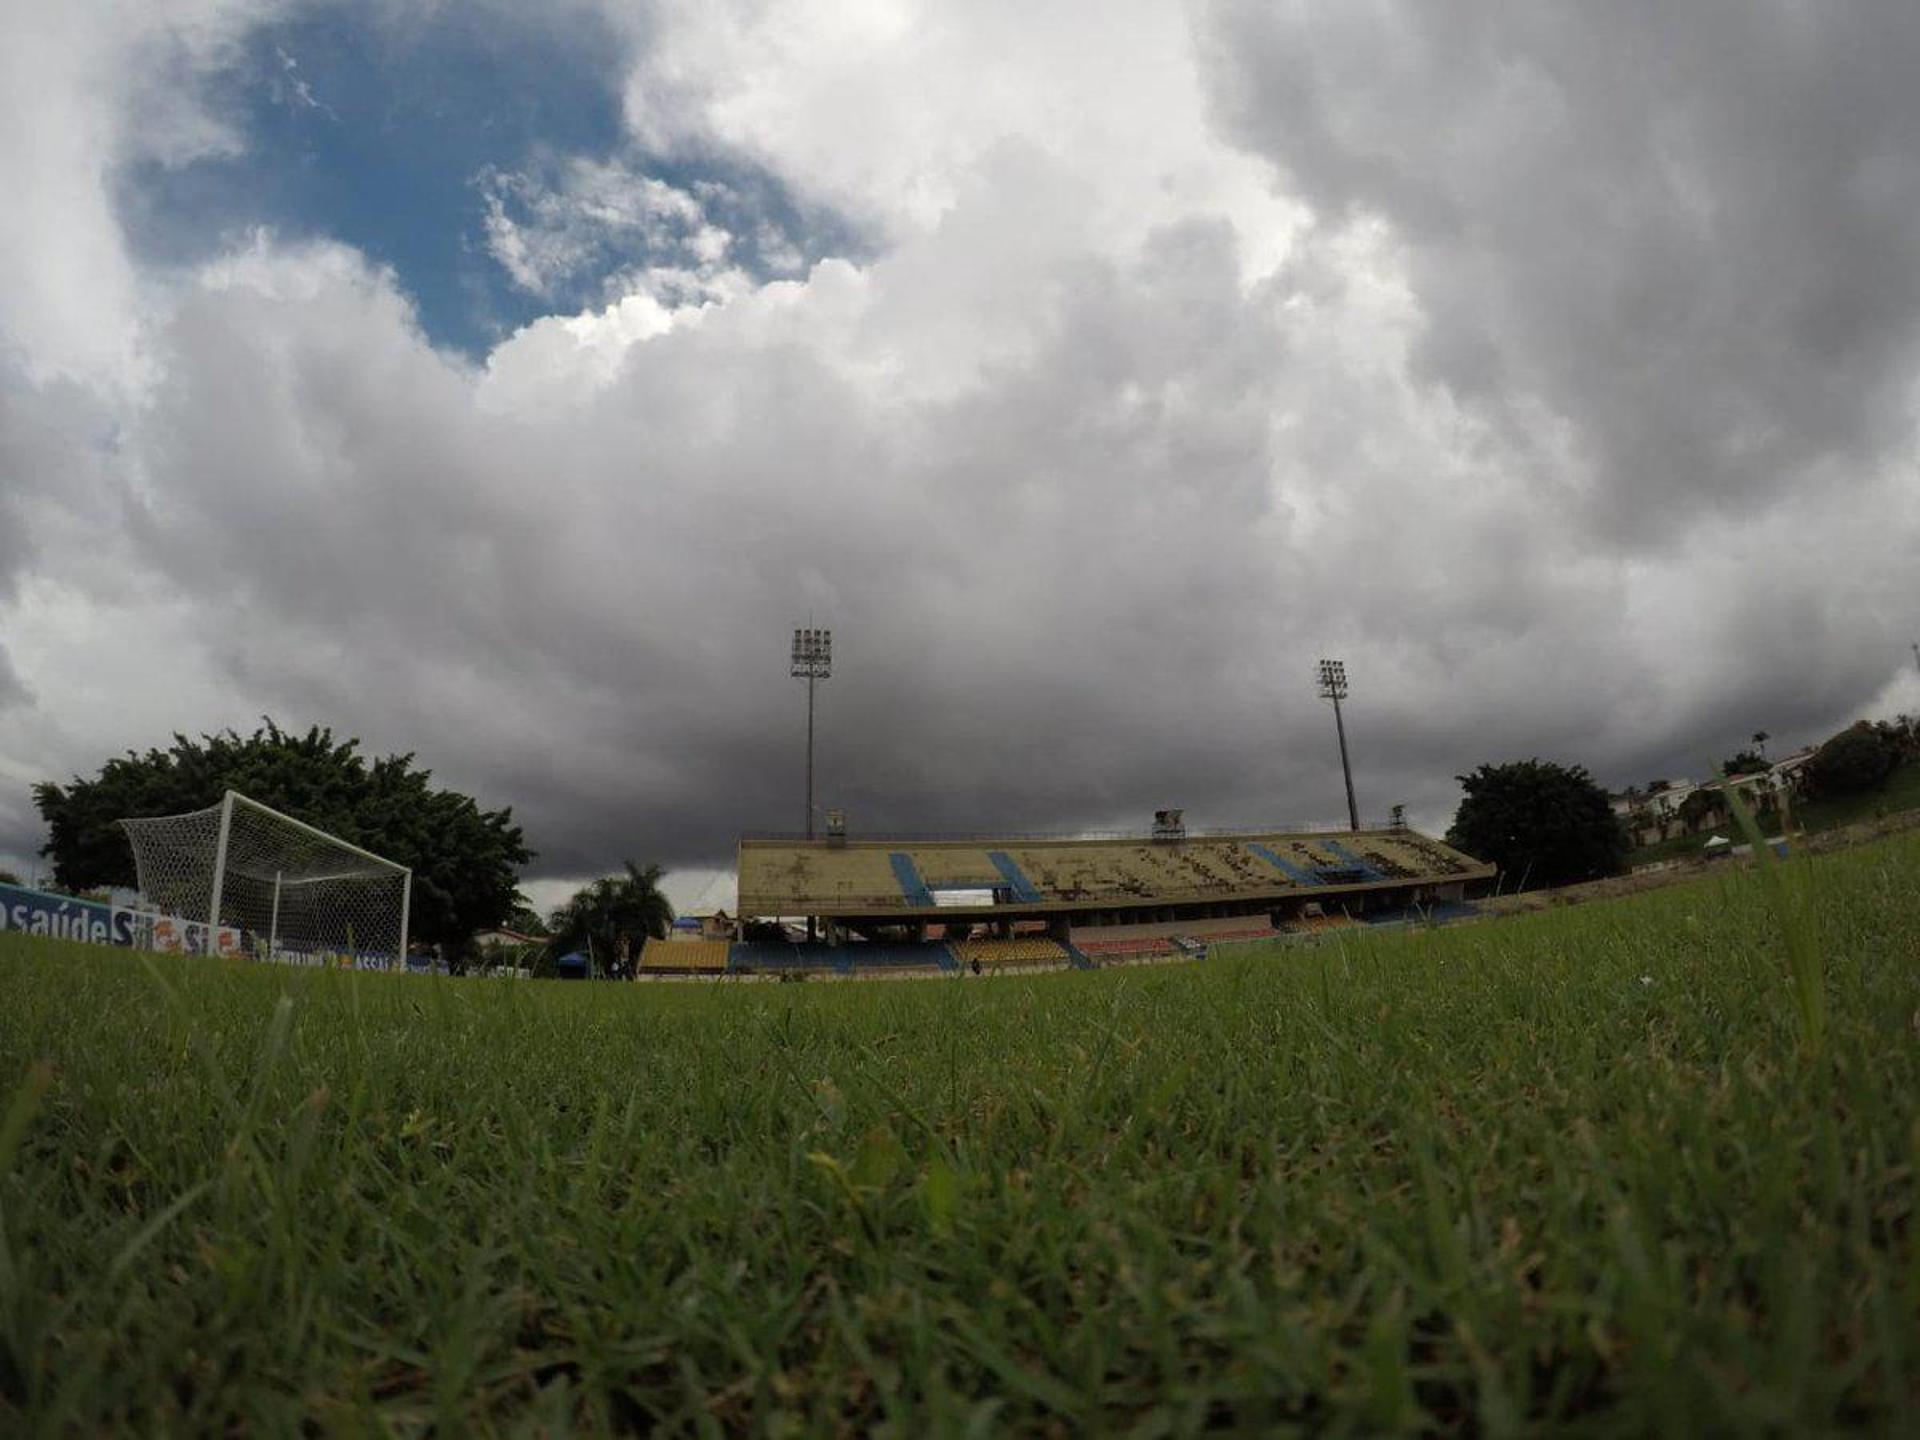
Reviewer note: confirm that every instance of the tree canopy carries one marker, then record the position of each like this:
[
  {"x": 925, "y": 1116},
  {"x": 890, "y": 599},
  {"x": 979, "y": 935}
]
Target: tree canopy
[
  {"x": 1744, "y": 762},
  {"x": 465, "y": 860},
  {"x": 614, "y": 917},
  {"x": 1701, "y": 805},
  {"x": 1542, "y": 823},
  {"x": 524, "y": 919},
  {"x": 1858, "y": 758}
]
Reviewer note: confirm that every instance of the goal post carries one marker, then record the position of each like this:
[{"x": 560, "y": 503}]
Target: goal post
[{"x": 272, "y": 885}]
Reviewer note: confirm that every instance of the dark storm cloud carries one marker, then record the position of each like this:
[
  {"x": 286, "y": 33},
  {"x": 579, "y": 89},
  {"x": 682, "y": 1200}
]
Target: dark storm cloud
[{"x": 1686, "y": 234}]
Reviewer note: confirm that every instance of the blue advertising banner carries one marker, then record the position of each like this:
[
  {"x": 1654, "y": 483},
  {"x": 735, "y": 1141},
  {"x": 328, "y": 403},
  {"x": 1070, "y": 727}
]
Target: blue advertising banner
[{"x": 61, "y": 917}]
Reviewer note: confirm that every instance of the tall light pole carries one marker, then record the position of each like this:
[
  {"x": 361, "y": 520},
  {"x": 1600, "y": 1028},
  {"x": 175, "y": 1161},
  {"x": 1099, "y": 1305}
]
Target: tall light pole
[
  {"x": 812, "y": 661},
  {"x": 1333, "y": 686}
]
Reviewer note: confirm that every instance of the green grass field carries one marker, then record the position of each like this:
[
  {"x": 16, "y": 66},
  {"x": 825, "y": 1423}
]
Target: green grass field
[{"x": 1572, "y": 1171}]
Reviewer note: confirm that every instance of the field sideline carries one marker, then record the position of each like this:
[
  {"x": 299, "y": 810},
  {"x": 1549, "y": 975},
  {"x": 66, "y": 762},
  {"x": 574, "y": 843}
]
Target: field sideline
[{"x": 1568, "y": 1169}]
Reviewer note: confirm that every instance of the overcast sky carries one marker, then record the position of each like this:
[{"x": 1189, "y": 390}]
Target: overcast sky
[{"x": 506, "y": 389}]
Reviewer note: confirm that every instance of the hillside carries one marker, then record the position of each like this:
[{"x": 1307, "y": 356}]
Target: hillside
[{"x": 1815, "y": 817}]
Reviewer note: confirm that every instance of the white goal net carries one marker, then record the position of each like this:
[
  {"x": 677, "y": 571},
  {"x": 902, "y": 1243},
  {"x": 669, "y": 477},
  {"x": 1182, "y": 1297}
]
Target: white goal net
[{"x": 240, "y": 878}]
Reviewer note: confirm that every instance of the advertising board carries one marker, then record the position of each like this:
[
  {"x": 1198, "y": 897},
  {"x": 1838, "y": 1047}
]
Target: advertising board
[
  {"x": 61, "y": 917},
  {"x": 94, "y": 922}
]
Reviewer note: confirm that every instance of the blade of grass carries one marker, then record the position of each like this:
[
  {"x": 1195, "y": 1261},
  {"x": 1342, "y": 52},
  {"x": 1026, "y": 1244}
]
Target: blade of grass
[{"x": 1796, "y": 924}]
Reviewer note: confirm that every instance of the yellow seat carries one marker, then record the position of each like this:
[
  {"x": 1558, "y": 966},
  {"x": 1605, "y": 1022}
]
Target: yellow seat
[
  {"x": 701, "y": 955},
  {"x": 1022, "y": 951}
]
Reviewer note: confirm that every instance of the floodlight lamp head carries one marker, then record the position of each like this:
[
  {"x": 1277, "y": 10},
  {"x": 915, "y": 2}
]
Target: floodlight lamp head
[
  {"x": 812, "y": 654},
  {"x": 1333, "y": 679}
]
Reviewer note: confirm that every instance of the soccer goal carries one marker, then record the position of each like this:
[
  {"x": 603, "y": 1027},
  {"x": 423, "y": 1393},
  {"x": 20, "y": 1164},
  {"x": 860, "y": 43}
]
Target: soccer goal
[{"x": 270, "y": 886}]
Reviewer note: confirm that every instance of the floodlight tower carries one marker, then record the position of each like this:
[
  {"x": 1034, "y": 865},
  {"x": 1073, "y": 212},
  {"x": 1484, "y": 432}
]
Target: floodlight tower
[
  {"x": 1333, "y": 686},
  {"x": 812, "y": 661}
]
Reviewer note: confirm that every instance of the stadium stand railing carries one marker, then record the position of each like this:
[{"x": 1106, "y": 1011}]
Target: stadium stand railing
[
  {"x": 1244, "y": 933},
  {"x": 871, "y": 956},
  {"x": 1321, "y": 924},
  {"x": 766, "y": 956},
  {"x": 772, "y": 957},
  {"x": 1443, "y": 913},
  {"x": 1130, "y": 946},
  {"x": 1068, "y": 837}
]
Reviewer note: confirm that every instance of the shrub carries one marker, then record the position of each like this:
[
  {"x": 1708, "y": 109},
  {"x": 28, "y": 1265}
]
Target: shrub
[{"x": 1857, "y": 759}]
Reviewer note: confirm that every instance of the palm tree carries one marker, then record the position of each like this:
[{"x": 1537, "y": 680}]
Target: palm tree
[
  {"x": 1760, "y": 738},
  {"x": 614, "y": 915}
]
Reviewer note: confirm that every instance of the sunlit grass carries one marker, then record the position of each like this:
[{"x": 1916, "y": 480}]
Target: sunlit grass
[{"x": 1576, "y": 1168}]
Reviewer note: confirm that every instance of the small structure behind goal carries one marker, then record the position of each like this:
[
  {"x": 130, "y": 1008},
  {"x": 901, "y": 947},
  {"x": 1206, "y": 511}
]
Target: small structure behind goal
[{"x": 288, "y": 890}]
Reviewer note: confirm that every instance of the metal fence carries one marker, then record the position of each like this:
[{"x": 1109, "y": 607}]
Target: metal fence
[{"x": 995, "y": 837}]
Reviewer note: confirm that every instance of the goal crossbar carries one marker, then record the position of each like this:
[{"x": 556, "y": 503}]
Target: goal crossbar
[
  {"x": 289, "y": 881},
  {"x": 313, "y": 831}
]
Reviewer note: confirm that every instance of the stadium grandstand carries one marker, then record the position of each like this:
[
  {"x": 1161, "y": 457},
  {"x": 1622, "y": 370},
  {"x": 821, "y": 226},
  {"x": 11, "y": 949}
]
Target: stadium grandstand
[{"x": 1000, "y": 905}]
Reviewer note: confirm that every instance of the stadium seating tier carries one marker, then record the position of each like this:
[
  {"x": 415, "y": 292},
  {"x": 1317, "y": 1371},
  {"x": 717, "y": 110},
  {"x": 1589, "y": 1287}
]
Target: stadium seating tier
[
  {"x": 1010, "y": 952},
  {"x": 895, "y": 877},
  {"x": 696, "y": 955}
]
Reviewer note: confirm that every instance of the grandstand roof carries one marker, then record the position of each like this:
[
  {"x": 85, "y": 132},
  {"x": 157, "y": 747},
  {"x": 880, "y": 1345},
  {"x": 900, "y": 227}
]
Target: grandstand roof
[{"x": 924, "y": 879}]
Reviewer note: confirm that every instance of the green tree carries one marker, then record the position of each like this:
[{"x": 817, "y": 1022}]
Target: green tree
[
  {"x": 465, "y": 860},
  {"x": 1858, "y": 758},
  {"x": 524, "y": 919},
  {"x": 1744, "y": 762},
  {"x": 1701, "y": 806},
  {"x": 1902, "y": 734},
  {"x": 1543, "y": 824},
  {"x": 613, "y": 917}
]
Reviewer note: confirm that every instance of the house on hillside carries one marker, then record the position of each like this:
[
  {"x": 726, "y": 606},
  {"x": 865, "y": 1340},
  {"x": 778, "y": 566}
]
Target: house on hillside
[
  {"x": 1684, "y": 808},
  {"x": 716, "y": 926},
  {"x": 1651, "y": 814},
  {"x": 506, "y": 949},
  {"x": 1790, "y": 770}
]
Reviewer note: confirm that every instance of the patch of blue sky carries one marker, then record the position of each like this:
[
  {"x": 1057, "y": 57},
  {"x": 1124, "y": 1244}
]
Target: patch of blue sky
[{"x": 393, "y": 135}]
